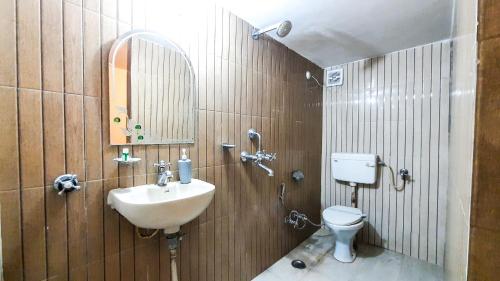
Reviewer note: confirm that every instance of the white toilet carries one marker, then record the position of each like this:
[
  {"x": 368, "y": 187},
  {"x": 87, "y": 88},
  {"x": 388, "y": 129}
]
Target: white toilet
[{"x": 344, "y": 222}]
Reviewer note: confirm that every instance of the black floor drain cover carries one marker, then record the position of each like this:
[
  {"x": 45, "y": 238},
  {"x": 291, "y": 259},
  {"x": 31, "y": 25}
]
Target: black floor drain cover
[{"x": 298, "y": 264}]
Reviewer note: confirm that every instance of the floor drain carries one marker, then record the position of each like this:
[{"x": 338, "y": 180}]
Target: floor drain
[{"x": 298, "y": 264}]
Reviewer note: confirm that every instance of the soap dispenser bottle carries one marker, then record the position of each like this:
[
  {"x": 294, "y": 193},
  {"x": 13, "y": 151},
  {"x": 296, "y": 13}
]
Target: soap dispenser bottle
[{"x": 185, "y": 168}]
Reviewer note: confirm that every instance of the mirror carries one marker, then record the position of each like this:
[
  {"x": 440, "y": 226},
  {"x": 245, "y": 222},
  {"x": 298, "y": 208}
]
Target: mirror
[{"x": 152, "y": 91}]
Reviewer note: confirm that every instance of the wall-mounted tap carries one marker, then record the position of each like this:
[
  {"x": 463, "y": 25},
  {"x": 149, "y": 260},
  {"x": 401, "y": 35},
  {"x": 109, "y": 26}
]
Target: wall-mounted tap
[
  {"x": 259, "y": 154},
  {"x": 66, "y": 183},
  {"x": 164, "y": 173}
]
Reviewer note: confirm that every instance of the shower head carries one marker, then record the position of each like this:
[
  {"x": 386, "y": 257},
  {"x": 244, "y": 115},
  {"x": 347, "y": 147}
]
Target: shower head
[
  {"x": 309, "y": 75},
  {"x": 282, "y": 29}
]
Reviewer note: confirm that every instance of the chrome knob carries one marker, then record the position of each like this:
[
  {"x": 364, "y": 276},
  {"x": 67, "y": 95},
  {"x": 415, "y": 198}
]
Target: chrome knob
[
  {"x": 66, "y": 183},
  {"x": 162, "y": 165}
]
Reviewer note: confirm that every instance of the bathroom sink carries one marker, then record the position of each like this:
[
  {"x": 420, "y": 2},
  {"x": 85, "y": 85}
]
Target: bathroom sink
[{"x": 162, "y": 207}]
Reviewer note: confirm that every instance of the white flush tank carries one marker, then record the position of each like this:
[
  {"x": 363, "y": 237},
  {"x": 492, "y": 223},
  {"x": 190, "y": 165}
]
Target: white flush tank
[{"x": 354, "y": 167}]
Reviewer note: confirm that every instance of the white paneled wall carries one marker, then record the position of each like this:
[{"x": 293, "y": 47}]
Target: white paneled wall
[
  {"x": 395, "y": 106},
  {"x": 462, "y": 113}
]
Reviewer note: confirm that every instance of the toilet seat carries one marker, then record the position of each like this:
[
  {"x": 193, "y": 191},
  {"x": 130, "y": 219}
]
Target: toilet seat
[{"x": 342, "y": 215}]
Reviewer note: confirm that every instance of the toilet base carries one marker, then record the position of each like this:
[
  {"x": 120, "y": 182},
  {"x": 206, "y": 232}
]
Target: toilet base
[
  {"x": 349, "y": 222},
  {"x": 344, "y": 252},
  {"x": 344, "y": 236}
]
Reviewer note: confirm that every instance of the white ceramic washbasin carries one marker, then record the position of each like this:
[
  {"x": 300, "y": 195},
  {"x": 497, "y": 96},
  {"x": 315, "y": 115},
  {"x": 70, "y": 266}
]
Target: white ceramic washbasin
[{"x": 162, "y": 207}]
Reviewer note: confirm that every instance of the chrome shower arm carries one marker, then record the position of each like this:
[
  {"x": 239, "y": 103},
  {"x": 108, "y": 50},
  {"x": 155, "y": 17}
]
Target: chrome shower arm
[
  {"x": 313, "y": 77},
  {"x": 253, "y": 134},
  {"x": 258, "y": 31},
  {"x": 309, "y": 75},
  {"x": 282, "y": 29}
]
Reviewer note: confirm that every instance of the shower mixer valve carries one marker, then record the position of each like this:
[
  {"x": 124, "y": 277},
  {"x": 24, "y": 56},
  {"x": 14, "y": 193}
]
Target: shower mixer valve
[{"x": 260, "y": 155}]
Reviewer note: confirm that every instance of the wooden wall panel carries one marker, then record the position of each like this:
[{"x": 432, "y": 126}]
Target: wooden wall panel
[
  {"x": 33, "y": 230},
  {"x": 31, "y": 138},
  {"x": 57, "y": 237},
  {"x": 395, "y": 106},
  {"x": 12, "y": 251},
  {"x": 73, "y": 49},
  {"x": 54, "y": 104},
  {"x": 74, "y": 132},
  {"x": 485, "y": 179},
  {"x": 52, "y": 45},
  {"x": 28, "y": 44},
  {"x": 9, "y": 147},
  {"x": 8, "y": 50},
  {"x": 91, "y": 54},
  {"x": 93, "y": 146}
]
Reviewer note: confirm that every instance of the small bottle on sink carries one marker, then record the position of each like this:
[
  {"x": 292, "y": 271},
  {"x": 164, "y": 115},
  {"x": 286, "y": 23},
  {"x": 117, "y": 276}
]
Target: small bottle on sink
[{"x": 185, "y": 168}]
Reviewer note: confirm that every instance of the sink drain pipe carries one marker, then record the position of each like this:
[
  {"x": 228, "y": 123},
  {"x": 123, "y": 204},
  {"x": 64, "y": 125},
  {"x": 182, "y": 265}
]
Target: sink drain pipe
[{"x": 173, "y": 241}]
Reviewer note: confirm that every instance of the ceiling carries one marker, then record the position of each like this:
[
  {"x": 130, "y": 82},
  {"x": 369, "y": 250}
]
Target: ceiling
[{"x": 331, "y": 32}]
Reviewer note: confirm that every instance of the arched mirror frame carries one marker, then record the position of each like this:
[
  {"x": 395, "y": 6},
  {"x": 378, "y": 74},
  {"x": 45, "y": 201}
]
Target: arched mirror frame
[{"x": 159, "y": 39}]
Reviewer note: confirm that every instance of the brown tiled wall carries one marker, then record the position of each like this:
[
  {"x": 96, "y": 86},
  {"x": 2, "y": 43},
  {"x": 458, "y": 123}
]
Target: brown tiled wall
[
  {"x": 484, "y": 257},
  {"x": 54, "y": 112}
]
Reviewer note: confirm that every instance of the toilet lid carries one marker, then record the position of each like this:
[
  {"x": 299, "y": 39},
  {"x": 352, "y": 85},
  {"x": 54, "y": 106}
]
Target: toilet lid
[{"x": 342, "y": 215}]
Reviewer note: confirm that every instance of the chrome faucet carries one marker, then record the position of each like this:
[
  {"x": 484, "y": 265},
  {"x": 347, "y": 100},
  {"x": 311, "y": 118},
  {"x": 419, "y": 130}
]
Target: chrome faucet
[
  {"x": 267, "y": 169},
  {"x": 259, "y": 154},
  {"x": 164, "y": 173}
]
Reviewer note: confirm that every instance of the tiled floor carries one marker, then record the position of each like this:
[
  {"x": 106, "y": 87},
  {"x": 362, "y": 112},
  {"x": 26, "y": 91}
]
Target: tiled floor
[{"x": 372, "y": 263}]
